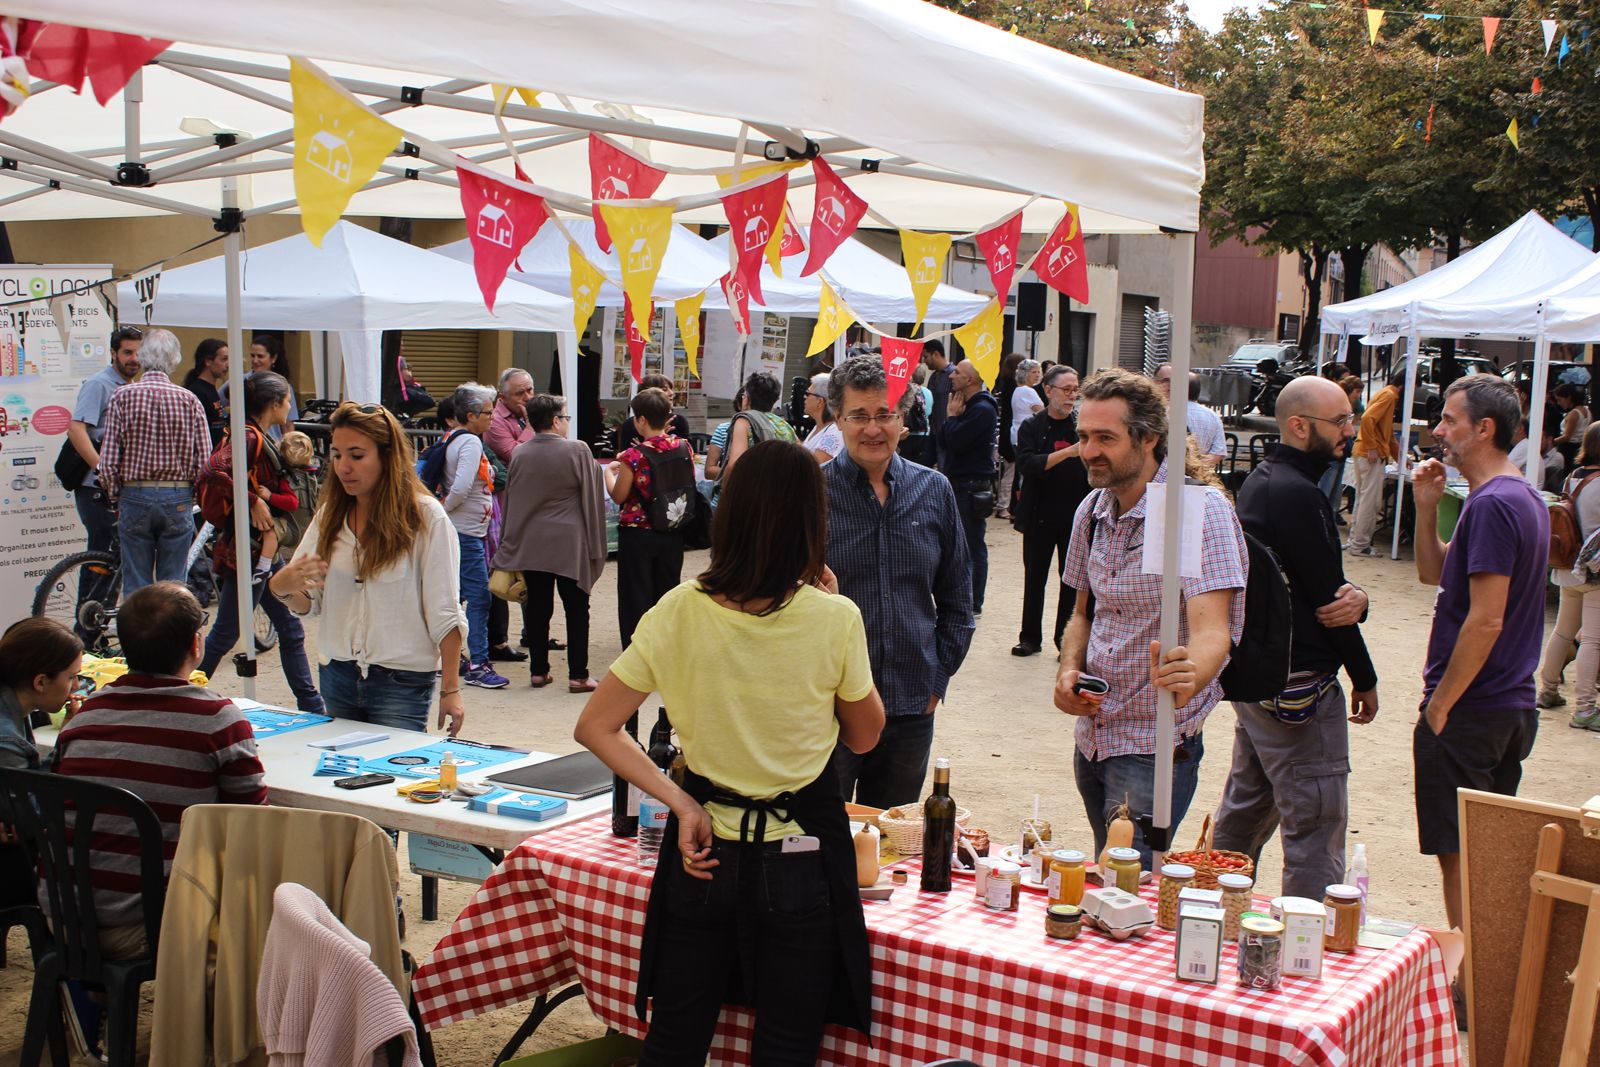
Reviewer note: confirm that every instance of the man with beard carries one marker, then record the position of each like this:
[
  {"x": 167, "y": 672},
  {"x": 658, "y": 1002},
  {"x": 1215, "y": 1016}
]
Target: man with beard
[
  {"x": 1291, "y": 754},
  {"x": 1054, "y": 483},
  {"x": 1122, "y": 439}
]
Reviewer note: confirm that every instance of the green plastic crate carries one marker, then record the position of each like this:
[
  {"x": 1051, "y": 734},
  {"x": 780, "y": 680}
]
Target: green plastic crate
[{"x": 601, "y": 1052}]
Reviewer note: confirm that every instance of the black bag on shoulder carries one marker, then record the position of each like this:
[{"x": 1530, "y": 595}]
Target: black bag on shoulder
[
  {"x": 70, "y": 469},
  {"x": 674, "y": 499}
]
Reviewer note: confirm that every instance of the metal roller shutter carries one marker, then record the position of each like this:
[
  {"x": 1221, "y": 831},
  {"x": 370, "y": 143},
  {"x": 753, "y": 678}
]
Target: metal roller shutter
[{"x": 441, "y": 359}]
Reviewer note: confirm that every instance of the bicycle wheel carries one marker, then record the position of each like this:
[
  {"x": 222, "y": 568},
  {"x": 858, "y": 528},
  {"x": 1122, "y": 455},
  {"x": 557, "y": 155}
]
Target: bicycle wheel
[
  {"x": 266, "y": 633},
  {"x": 81, "y": 592}
]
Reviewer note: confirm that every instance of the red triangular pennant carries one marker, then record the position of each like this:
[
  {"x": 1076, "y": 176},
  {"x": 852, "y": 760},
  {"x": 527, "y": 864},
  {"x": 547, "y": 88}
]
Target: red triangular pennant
[
  {"x": 999, "y": 246},
  {"x": 791, "y": 244},
  {"x": 501, "y": 219},
  {"x": 752, "y": 217},
  {"x": 1490, "y": 28},
  {"x": 66, "y": 54},
  {"x": 900, "y": 357},
  {"x": 1060, "y": 263},
  {"x": 616, "y": 175},
  {"x": 1538, "y": 87},
  {"x": 738, "y": 295},
  {"x": 635, "y": 340},
  {"x": 834, "y": 217}
]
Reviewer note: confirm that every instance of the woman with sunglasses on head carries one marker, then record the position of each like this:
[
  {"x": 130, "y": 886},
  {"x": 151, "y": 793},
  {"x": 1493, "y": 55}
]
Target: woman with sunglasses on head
[
  {"x": 380, "y": 563},
  {"x": 729, "y": 898}
]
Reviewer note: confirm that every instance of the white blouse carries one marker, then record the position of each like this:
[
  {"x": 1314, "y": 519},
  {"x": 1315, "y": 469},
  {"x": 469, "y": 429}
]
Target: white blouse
[
  {"x": 826, "y": 439},
  {"x": 396, "y": 618}
]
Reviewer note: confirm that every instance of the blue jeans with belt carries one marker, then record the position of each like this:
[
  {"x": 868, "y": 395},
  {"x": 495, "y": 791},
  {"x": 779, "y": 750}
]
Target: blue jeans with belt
[
  {"x": 291, "y": 637},
  {"x": 156, "y": 529},
  {"x": 384, "y": 696},
  {"x": 1103, "y": 784}
]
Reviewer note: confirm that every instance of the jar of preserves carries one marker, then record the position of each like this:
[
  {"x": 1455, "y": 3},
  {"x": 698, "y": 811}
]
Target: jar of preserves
[
  {"x": 1260, "y": 952},
  {"x": 1065, "y": 883},
  {"x": 1122, "y": 869},
  {"x": 1236, "y": 899},
  {"x": 1342, "y": 926},
  {"x": 1063, "y": 921},
  {"x": 1175, "y": 877},
  {"x": 1004, "y": 887}
]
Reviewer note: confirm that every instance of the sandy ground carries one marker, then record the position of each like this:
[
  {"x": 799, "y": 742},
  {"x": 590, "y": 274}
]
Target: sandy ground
[{"x": 1007, "y": 742}]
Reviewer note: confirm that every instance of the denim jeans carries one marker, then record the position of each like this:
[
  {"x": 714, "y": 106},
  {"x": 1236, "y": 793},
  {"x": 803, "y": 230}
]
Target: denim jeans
[
  {"x": 893, "y": 772},
  {"x": 475, "y": 591},
  {"x": 291, "y": 637},
  {"x": 796, "y": 954},
  {"x": 1104, "y": 783},
  {"x": 98, "y": 518},
  {"x": 156, "y": 531},
  {"x": 385, "y": 697},
  {"x": 972, "y": 525}
]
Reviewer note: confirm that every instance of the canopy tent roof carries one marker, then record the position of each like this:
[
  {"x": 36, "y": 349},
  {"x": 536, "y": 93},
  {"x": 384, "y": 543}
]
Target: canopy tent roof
[
  {"x": 1570, "y": 309},
  {"x": 925, "y": 93},
  {"x": 1520, "y": 263},
  {"x": 876, "y": 287},
  {"x": 689, "y": 267},
  {"x": 357, "y": 280}
]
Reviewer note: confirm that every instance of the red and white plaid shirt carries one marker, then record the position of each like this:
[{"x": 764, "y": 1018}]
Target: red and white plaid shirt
[
  {"x": 155, "y": 432},
  {"x": 1127, "y": 616}
]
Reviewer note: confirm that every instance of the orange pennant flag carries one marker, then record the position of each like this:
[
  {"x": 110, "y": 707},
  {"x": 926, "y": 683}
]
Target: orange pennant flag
[
  {"x": 1490, "y": 28},
  {"x": 1538, "y": 87},
  {"x": 1374, "y": 20}
]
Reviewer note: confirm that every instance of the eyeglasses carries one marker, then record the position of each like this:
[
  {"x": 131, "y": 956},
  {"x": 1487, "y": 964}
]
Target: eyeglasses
[
  {"x": 1343, "y": 421},
  {"x": 882, "y": 418},
  {"x": 564, "y": 415}
]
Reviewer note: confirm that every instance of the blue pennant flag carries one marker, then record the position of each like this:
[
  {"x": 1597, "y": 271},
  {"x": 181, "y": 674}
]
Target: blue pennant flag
[{"x": 1561, "y": 55}]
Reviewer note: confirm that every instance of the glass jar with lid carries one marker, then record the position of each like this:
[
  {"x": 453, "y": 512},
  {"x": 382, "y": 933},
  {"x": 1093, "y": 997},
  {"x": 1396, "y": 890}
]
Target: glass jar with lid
[
  {"x": 1342, "y": 927},
  {"x": 1065, "y": 883},
  {"x": 1175, "y": 877},
  {"x": 1237, "y": 894},
  {"x": 1122, "y": 869}
]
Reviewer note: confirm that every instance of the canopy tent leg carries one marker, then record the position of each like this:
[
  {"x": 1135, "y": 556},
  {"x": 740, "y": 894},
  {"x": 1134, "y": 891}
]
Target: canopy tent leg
[
  {"x": 1413, "y": 344},
  {"x": 567, "y": 357},
  {"x": 1322, "y": 348},
  {"x": 1541, "y": 381},
  {"x": 232, "y": 244}
]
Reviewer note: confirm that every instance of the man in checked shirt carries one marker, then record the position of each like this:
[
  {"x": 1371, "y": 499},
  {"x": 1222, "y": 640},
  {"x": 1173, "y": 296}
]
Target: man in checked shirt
[
  {"x": 155, "y": 447},
  {"x": 1122, "y": 439}
]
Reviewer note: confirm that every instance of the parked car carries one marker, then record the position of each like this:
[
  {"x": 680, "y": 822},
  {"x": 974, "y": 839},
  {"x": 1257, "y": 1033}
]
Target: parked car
[
  {"x": 1559, "y": 370},
  {"x": 1249, "y": 355},
  {"x": 1429, "y": 403},
  {"x": 1271, "y": 365}
]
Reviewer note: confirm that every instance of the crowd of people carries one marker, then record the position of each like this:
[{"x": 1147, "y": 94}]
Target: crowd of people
[{"x": 860, "y": 568}]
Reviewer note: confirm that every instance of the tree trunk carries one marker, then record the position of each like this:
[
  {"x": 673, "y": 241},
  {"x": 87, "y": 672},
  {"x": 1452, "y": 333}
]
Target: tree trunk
[
  {"x": 1448, "y": 367},
  {"x": 1354, "y": 258},
  {"x": 1591, "y": 205},
  {"x": 1313, "y": 270}
]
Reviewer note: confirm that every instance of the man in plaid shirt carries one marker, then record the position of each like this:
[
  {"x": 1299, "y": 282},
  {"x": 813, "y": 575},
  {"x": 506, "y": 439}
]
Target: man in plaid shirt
[
  {"x": 1122, "y": 436},
  {"x": 156, "y": 444}
]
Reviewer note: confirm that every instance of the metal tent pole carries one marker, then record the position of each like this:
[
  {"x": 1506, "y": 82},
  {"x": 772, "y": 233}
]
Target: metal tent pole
[
  {"x": 1413, "y": 345},
  {"x": 1541, "y": 381},
  {"x": 236, "y": 423}
]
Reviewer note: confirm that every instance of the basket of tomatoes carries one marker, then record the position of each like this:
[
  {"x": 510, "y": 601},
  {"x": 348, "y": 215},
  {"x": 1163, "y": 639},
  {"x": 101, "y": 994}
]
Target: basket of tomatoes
[{"x": 1209, "y": 862}]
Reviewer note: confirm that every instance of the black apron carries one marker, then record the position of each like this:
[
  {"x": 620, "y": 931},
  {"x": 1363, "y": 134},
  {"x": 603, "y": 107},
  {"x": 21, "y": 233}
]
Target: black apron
[{"x": 819, "y": 809}]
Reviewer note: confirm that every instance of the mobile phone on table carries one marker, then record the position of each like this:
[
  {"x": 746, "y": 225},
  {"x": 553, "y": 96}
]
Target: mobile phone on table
[
  {"x": 363, "y": 781},
  {"x": 1088, "y": 683}
]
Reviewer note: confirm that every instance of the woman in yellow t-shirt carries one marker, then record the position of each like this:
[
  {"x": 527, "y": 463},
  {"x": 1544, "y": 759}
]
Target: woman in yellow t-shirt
[{"x": 757, "y": 873}]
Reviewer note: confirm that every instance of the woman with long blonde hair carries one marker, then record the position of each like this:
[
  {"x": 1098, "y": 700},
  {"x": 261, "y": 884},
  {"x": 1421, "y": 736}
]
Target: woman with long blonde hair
[{"x": 380, "y": 564}]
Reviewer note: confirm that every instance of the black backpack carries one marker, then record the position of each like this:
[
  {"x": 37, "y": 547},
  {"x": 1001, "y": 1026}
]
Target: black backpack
[
  {"x": 917, "y": 417},
  {"x": 673, "y": 496}
]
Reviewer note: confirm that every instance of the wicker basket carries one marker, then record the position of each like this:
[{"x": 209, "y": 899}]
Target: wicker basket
[
  {"x": 1205, "y": 872},
  {"x": 903, "y": 827}
]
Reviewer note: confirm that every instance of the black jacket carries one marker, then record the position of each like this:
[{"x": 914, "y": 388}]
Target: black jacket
[
  {"x": 1048, "y": 499},
  {"x": 1280, "y": 505},
  {"x": 969, "y": 439}
]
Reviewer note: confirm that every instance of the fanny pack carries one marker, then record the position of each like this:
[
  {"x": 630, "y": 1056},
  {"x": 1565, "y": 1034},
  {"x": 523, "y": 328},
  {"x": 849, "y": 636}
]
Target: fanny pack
[{"x": 1298, "y": 702}]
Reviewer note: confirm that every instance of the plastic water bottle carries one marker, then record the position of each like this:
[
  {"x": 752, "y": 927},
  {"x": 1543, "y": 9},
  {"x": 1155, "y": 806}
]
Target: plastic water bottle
[
  {"x": 1357, "y": 876},
  {"x": 652, "y": 828}
]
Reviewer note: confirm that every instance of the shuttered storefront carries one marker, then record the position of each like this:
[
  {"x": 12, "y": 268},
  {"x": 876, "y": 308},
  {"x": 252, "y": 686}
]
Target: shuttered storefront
[
  {"x": 1130, "y": 332},
  {"x": 441, "y": 359}
]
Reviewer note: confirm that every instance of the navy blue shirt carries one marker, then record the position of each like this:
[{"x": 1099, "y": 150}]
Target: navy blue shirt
[
  {"x": 968, "y": 439},
  {"x": 904, "y": 563}
]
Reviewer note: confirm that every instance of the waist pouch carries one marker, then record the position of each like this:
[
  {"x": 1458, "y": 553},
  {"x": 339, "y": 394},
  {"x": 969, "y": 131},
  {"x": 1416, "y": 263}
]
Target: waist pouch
[{"x": 1297, "y": 704}]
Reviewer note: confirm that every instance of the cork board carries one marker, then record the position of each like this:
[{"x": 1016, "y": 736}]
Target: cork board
[{"x": 1499, "y": 836}]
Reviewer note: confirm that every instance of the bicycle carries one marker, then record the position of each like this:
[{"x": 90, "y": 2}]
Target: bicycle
[{"x": 81, "y": 592}]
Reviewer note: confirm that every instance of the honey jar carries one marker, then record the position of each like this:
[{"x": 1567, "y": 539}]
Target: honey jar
[
  {"x": 1004, "y": 887},
  {"x": 1065, "y": 884},
  {"x": 1342, "y": 926},
  {"x": 1122, "y": 870},
  {"x": 1063, "y": 921}
]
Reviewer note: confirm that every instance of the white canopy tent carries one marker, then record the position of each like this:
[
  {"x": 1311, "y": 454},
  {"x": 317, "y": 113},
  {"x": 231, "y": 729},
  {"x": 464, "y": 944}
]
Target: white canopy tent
[{"x": 1459, "y": 300}]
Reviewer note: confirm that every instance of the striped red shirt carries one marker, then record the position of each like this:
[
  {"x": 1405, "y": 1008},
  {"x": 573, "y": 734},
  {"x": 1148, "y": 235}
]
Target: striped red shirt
[
  {"x": 168, "y": 742},
  {"x": 154, "y": 431}
]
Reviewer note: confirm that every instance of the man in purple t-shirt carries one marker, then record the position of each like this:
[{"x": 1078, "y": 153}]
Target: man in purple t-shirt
[{"x": 1478, "y": 717}]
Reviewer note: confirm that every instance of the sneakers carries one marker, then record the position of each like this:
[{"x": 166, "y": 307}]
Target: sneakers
[
  {"x": 1586, "y": 720},
  {"x": 483, "y": 676},
  {"x": 1551, "y": 698},
  {"x": 1368, "y": 551}
]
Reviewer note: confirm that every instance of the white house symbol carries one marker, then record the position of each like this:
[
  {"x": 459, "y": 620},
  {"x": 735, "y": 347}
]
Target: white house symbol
[
  {"x": 985, "y": 347},
  {"x": 639, "y": 257},
  {"x": 927, "y": 271},
  {"x": 329, "y": 153},
  {"x": 1002, "y": 257},
  {"x": 757, "y": 232},
  {"x": 1060, "y": 259},
  {"x": 831, "y": 214},
  {"x": 899, "y": 368},
  {"x": 736, "y": 290},
  {"x": 613, "y": 188},
  {"x": 495, "y": 226}
]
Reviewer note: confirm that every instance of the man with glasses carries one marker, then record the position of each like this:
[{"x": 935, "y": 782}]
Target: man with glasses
[
  {"x": 1205, "y": 425},
  {"x": 896, "y": 545},
  {"x": 1054, "y": 483},
  {"x": 1291, "y": 755}
]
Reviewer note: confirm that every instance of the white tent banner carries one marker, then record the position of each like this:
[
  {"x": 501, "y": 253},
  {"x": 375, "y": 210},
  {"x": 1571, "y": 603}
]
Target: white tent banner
[{"x": 39, "y": 380}]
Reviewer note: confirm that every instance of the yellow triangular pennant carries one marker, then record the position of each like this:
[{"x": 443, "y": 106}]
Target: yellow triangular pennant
[
  {"x": 586, "y": 282},
  {"x": 502, "y": 96},
  {"x": 981, "y": 339},
  {"x": 833, "y": 318},
  {"x": 640, "y": 235},
  {"x": 750, "y": 174},
  {"x": 924, "y": 255},
  {"x": 338, "y": 145},
  {"x": 1511, "y": 132},
  {"x": 688, "y": 312},
  {"x": 1374, "y": 20}
]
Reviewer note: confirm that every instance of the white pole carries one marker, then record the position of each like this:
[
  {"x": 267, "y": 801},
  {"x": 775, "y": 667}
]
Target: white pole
[
  {"x": 1541, "y": 379},
  {"x": 236, "y": 421},
  {"x": 567, "y": 354},
  {"x": 132, "y": 97},
  {"x": 1322, "y": 348},
  {"x": 1413, "y": 344}
]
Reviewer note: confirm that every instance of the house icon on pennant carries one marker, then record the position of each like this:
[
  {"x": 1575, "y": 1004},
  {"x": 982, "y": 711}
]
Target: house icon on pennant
[
  {"x": 613, "y": 187},
  {"x": 329, "y": 153},
  {"x": 757, "y": 232},
  {"x": 495, "y": 226},
  {"x": 898, "y": 367},
  {"x": 985, "y": 347},
  {"x": 1003, "y": 258},
  {"x": 831, "y": 214},
  {"x": 927, "y": 271},
  {"x": 639, "y": 257},
  {"x": 1061, "y": 257}
]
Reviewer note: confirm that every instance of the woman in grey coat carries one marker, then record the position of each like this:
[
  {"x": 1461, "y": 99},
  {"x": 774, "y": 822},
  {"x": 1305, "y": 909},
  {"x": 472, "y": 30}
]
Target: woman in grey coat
[{"x": 555, "y": 534}]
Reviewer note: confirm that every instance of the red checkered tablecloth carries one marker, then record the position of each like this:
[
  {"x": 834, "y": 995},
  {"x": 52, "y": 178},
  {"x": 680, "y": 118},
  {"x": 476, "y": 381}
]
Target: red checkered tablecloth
[{"x": 950, "y": 978}]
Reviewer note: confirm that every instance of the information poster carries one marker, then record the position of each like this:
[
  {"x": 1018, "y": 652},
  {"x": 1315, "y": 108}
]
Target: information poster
[
  {"x": 723, "y": 368},
  {"x": 616, "y": 375},
  {"x": 42, "y": 363}
]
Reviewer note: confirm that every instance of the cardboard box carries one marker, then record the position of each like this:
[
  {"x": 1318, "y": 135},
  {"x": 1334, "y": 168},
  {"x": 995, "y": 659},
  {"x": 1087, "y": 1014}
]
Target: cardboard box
[
  {"x": 1198, "y": 953},
  {"x": 1302, "y": 921}
]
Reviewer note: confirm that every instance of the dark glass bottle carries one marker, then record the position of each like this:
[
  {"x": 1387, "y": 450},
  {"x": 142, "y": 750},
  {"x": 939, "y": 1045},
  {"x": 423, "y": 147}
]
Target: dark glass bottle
[
  {"x": 938, "y": 831},
  {"x": 624, "y": 797},
  {"x": 663, "y": 753}
]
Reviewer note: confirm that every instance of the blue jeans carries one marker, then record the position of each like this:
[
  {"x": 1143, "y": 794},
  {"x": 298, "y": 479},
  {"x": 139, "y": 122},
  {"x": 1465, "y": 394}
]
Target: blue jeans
[
  {"x": 1104, "y": 783},
  {"x": 385, "y": 697},
  {"x": 291, "y": 637},
  {"x": 893, "y": 772},
  {"x": 156, "y": 531},
  {"x": 475, "y": 591}
]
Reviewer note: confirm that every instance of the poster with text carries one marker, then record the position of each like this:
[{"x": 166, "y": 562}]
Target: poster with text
[{"x": 42, "y": 364}]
